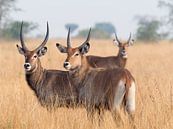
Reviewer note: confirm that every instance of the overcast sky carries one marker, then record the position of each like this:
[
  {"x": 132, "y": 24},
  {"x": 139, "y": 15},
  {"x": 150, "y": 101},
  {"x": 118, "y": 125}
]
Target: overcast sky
[{"x": 85, "y": 13}]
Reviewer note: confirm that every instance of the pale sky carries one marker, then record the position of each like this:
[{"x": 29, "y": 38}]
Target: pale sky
[{"x": 85, "y": 13}]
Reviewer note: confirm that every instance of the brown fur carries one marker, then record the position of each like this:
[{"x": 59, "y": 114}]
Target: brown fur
[
  {"x": 110, "y": 61},
  {"x": 52, "y": 87},
  {"x": 106, "y": 62},
  {"x": 97, "y": 87}
]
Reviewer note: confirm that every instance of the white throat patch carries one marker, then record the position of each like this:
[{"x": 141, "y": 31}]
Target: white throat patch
[{"x": 125, "y": 56}]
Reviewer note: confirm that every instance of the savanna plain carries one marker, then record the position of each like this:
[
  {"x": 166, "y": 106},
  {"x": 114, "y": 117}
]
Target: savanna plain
[{"x": 150, "y": 64}]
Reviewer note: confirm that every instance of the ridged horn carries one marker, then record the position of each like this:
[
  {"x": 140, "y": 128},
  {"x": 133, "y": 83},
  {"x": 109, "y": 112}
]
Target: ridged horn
[
  {"x": 129, "y": 40},
  {"x": 45, "y": 39},
  {"x": 21, "y": 38},
  {"x": 88, "y": 37},
  {"x": 116, "y": 38},
  {"x": 68, "y": 39}
]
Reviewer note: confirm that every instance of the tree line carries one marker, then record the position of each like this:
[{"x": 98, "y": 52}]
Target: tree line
[{"x": 149, "y": 28}]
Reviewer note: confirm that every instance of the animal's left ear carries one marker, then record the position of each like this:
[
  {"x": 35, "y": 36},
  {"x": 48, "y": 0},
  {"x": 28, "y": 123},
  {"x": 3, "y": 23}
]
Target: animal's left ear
[
  {"x": 61, "y": 48},
  {"x": 84, "y": 48},
  {"x": 42, "y": 51},
  {"x": 131, "y": 42}
]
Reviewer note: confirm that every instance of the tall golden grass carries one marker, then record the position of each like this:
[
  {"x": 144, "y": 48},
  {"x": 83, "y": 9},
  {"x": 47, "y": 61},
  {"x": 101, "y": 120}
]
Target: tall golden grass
[{"x": 151, "y": 65}]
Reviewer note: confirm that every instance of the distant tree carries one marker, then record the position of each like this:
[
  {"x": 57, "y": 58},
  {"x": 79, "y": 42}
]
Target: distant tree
[
  {"x": 11, "y": 30},
  {"x": 106, "y": 26},
  {"x": 5, "y": 7},
  {"x": 168, "y": 18},
  {"x": 72, "y": 27},
  {"x": 95, "y": 33},
  {"x": 148, "y": 29}
]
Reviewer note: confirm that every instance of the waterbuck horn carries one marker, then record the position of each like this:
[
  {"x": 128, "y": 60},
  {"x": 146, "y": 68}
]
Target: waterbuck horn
[
  {"x": 21, "y": 38},
  {"x": 129, "y": 40},
  {"x": 68, "y": 39},
  {"x": 87, "y": 40},
  {"x": 45, "y": 39},
  {"x": 116, "y": 38},
  {"x": 88, "y": 37}
]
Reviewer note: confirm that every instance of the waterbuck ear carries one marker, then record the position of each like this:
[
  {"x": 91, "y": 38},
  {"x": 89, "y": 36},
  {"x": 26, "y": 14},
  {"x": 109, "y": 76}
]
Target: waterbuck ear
[
  {"x": 42, "y": 51},
  {"x": 61, "y": 48},
  {"x": 21, "y": 51},
  {"x": 84, "y": 48},
  {"x": 131, "y": 42},
  {"x": 116, "y": 42}
]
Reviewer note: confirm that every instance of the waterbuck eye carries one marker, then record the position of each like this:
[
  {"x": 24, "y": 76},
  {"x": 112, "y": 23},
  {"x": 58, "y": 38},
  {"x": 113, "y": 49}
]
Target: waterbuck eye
[
  {"x": 76, "y": 54},
  {"x": 35, "y": 56}
]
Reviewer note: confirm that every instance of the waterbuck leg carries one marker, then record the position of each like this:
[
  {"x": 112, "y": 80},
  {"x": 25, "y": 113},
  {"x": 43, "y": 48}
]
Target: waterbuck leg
[
  {"x": 130, "y": 102},
  {"x": 118, "y": 99}
]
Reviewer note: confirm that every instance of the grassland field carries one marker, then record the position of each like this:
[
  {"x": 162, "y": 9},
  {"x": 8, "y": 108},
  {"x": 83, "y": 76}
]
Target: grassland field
[{"x": 151, "y": 65}]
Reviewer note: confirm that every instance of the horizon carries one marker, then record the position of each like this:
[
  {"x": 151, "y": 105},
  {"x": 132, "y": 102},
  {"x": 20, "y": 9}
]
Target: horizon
[{"x": 85, "y": 14}]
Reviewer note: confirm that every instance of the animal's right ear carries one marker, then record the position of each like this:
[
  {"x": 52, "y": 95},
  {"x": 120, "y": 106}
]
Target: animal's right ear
[
  {"x": 131, "y": 42},
  {"x": 21, "y": 51},
  {"x": 61, "y": 48}
]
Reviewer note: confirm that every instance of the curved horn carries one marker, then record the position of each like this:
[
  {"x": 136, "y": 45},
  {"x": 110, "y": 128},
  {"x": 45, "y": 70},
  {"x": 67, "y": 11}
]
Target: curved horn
[
  {"x": 88, "y": 37},
  {"x": 21, "y": 38},
  {"x": 117, "y": 38},
  {"x": 68, "y": 39},
  {"x": 128, "y": 41},
  {"x": 45, "y": 39}
]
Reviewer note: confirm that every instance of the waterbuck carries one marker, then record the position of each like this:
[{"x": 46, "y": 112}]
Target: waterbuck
[
  {"x": 51, "y": 87},
  {"x": 99, "y": 88},
  {"x": 106, "y": 62}
]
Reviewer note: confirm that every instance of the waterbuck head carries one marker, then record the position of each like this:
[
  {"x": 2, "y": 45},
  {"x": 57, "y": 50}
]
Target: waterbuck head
[
  {"x": 123, "y": 46},
  {"x": 74, "y": 55},
  {"x": 32, "y": 57}
]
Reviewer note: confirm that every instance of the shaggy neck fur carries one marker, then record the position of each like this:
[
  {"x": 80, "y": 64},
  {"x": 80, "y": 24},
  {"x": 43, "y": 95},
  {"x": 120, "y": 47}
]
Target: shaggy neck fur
[
  {"x": 122, "y": 61},
  {"x": 79, "y": 73},
  {"x": 34, "y": 77},
  {"x": 83, "y": 72}
]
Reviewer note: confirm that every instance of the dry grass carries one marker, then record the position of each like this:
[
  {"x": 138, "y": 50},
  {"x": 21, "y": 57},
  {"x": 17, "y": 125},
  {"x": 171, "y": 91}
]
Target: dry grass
[{"x": 151, "y": 65}]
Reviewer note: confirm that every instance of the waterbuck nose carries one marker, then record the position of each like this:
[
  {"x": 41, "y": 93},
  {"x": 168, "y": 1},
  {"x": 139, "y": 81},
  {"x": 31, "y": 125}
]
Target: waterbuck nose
[
  {"x": 66, "y": 64},
  {"x": 124, "y": 51},
  {"x": 27, "y": 65}
]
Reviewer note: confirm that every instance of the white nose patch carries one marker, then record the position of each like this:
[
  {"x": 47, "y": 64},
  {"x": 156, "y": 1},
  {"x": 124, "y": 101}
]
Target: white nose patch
[
  {"x": 27, "y": 66},
  {"x": 67, "y": 65}
]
